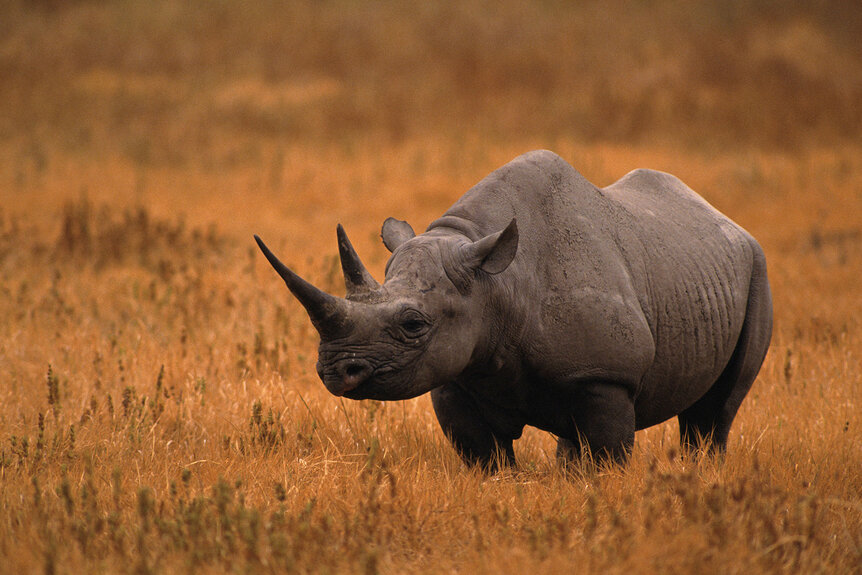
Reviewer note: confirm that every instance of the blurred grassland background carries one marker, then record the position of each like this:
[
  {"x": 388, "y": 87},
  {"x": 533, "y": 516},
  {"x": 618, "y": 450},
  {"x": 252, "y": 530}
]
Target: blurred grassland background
[{"x": 159, "y": 409}]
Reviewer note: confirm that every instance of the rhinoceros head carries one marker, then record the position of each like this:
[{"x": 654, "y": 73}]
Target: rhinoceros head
[{"x": 415, "y": 332}]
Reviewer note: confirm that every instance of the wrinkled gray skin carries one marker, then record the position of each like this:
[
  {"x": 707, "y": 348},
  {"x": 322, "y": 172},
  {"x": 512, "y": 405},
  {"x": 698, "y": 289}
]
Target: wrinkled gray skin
[{"x": 540, "y": 299}]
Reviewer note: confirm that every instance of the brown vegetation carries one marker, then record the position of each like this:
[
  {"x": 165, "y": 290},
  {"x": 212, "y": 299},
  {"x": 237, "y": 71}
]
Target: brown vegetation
[{"x": 159, "y": 409}]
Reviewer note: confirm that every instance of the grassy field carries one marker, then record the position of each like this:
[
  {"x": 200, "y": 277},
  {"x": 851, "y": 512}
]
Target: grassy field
[{"x": 159, "y": 408}]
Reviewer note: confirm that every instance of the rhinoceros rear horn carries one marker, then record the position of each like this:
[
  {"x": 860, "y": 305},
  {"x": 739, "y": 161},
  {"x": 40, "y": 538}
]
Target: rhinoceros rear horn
[
  {"x": 328, "y": 313},
  {"x": 356, "y": 277}
]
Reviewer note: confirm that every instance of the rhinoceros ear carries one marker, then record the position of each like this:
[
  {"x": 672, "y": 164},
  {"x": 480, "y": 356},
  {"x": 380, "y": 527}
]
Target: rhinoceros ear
[
  {"x": 395, "y": 232},
  {"x": 493, "y": 254}
]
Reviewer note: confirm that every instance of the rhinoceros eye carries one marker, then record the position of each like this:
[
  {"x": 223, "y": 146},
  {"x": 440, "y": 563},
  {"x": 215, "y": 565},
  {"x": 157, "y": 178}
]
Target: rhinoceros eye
[{"x": 413, "y": 324}]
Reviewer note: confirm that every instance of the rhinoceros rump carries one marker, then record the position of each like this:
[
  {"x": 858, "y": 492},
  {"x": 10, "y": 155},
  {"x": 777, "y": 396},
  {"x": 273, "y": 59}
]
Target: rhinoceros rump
[{"x": 540, "y": 299}]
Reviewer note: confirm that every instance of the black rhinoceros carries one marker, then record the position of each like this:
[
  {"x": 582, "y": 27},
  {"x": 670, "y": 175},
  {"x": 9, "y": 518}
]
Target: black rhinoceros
[{"x": 540, "y": 299}]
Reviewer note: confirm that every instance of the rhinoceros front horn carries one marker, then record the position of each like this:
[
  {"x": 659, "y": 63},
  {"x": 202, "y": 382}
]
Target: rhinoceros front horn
[
  {"x": 357, "y": 280},
  {"x": 328, "y": 313}
]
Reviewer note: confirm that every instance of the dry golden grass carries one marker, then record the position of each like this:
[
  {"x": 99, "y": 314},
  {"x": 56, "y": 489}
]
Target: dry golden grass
[{"x": 159, "y": 410}]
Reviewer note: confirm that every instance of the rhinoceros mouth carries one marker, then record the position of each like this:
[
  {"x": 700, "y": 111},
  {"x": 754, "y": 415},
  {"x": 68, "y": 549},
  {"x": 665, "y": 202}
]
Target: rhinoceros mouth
[
  {"x": 349, "y": 388},
  {"x": 372, "y": 390},
  {"x": 396, "y": 387},
  {"x": 358, "y": 379}
]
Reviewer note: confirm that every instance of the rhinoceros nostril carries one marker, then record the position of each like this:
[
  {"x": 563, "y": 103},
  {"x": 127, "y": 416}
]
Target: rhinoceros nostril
[{"x": 353, "y": 372}]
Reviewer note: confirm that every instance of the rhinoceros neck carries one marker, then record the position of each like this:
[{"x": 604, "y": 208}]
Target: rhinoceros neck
[
  {"x": 456, "y": 224},
  {"x": 522, "y": 189}
]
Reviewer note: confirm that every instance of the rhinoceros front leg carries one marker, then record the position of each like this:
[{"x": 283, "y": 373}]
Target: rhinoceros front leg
[
  {"x": 470, "y": 432},
  {"x": 604, "y": 419}
]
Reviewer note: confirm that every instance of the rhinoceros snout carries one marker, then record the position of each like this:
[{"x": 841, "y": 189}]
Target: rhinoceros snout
[{"x": 348, "y": 374}]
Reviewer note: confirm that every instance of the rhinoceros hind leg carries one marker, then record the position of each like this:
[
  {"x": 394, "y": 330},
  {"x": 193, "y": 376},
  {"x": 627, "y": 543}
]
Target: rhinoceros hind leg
[
  {"x": 470, "y": 433},
  {"x": 710, "y": 418}
]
